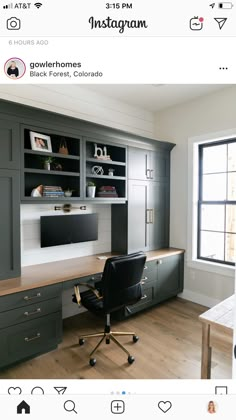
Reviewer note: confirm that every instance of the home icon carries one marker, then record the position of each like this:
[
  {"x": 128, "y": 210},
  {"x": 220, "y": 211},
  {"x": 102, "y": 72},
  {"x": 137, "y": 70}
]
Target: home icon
[{"x": 23, "y": 408}]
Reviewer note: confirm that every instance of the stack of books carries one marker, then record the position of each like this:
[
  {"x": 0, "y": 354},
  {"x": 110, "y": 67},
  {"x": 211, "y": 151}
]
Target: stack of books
[
  {"x": 52, "y": 191},
  {"x": 107, "y": 191}
]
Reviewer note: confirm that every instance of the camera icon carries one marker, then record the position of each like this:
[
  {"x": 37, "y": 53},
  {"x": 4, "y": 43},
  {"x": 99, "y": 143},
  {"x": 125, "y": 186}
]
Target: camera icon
[{"x": 13, "y": 24}]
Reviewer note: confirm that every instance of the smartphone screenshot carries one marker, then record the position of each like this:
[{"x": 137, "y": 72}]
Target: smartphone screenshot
[{"x": 118, "y": 208}]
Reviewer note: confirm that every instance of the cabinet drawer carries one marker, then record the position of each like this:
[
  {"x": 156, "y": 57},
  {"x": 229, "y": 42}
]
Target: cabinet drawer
[
  {"x": 29, "y": 312},
  {"x": 30, "y": 338},
  {"x": 151, "y": 266},
  {"x": 28, "y": 297},
  {"x": 144, "y": 302}
]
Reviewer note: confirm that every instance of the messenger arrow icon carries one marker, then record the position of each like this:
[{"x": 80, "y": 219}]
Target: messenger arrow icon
[
  {"x": 221, "y": 22},
  {"x": 60, "y": 389}
]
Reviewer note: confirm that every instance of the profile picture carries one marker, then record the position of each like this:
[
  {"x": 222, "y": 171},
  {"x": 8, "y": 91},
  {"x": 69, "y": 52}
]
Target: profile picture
[
  {"x": 211, "y": 407},
  {"x": 14, "y": 68},
  {"x": 40, "y": 142}
]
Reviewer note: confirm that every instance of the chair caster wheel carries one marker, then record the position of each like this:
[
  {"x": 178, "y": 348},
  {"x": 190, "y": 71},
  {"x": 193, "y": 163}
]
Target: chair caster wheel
[
  {"x": 135, "y": 338},
  {"x": 131, "y": 360},
  {"x": 81, "y": 341},
  {"x": 107, "y": 340},
  {"x": 92, "y": 362}
]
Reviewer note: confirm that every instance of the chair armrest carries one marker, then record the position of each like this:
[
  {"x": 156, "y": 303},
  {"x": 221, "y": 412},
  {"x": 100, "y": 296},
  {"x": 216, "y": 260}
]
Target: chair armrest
[{"x": 89, "y": 286}]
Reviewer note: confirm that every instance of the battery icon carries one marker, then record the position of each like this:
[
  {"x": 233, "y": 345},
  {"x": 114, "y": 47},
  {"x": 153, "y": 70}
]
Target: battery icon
[{"x": 225, "y": 5}]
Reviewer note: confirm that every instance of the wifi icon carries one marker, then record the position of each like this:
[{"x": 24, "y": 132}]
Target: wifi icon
[{"x": 38, "y": 5}]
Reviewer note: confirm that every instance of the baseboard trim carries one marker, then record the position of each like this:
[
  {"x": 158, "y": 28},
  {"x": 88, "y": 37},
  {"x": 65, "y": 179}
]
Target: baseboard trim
[{"x": 198, "y": 298}]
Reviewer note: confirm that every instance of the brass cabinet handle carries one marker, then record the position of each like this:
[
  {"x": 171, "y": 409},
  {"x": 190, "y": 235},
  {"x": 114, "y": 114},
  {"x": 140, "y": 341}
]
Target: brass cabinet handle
[
  {"x": 144, "y": 278},
  {"x": 152, "y": 216},
  {"x": 143, "y": 297},
  {"x": 148, "y": 174},
  {"x": 151, "y": 173},
  {"x": 145, "y": 267},
  {"x": 38, "y": 310},
  {"x": 27, "y": 339},
  {"x": 148, "y": 218},
  {"x": 159, "y": 261},
  {"x": 32, "y": 297}
]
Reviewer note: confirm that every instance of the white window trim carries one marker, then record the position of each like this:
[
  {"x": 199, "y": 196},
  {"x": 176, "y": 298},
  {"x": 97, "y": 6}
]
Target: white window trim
[{"x": 193, "y": 178}]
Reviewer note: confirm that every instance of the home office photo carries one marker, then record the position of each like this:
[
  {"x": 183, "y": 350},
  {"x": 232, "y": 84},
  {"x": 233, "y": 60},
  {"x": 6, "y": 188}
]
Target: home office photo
[{"x": 148, "y": 168}]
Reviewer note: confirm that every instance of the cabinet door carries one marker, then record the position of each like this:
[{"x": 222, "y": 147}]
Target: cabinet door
[
  {"x": 138, "y": 163},
  {"x": 169, "y": 277},
  {"x": 29, "y": 339},
  {"x": 10, "y": 145},
  {"x": 158, "y": 164},
  {"x": 137, "y": 227},
  {"x": 158, "y": 215},
  {"x": 9, "y": 224}
]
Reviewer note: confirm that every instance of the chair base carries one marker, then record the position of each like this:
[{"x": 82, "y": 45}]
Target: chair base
[{"x": 108, "y": 336}]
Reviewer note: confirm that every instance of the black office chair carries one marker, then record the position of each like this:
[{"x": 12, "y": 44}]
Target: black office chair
[{"x": 120, "y": 286}]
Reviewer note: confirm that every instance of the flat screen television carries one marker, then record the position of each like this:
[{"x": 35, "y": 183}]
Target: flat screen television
[{"x": 68, "y": 229}]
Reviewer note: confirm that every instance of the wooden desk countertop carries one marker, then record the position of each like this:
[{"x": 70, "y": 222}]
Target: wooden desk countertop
[{"x": 59, "y": 271}]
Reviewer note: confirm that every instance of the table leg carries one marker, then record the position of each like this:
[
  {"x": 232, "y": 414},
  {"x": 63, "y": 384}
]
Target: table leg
[{"x": 206, "y": 352}]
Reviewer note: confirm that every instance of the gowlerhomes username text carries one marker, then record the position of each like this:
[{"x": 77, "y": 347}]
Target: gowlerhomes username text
[{"x": 60, "y": 65}]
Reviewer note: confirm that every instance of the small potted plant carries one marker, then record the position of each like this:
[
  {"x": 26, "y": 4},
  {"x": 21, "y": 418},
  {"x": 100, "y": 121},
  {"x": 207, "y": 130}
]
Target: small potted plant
[
  {"x": 68, "y": 192},
  {"x": 91, "y": 189},
  {"x": 47, "y": 162}
]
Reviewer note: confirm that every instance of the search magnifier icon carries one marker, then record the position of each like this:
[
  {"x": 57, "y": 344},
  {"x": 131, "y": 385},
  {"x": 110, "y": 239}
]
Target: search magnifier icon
[{"x": 69, "y": 406}]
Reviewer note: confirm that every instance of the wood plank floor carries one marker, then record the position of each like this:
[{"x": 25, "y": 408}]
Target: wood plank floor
[{"x": 169, "y": 348}]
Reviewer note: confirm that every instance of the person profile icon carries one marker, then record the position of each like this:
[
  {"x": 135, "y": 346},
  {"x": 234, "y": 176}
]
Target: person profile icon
[
  {"x": 211, "y": 408},
  {"x": 14, "y": 68}
]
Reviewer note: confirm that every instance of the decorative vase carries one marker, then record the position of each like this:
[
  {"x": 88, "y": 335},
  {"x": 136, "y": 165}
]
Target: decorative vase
[
  {"x": 91, "y": 191},
  {"x": 63, "y": 147},
  {"x": 47, "y": 166},
  {"x": 68, "y": 193},
  {"x": 111, "y": 172}
]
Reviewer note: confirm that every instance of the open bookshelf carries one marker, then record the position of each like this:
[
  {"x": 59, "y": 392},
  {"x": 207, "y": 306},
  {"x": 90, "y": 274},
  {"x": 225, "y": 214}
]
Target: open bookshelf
[{"x": 57, "y": 166}]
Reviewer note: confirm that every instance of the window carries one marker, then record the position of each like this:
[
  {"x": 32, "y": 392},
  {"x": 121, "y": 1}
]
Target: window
[{"x": 216, "y": 240}]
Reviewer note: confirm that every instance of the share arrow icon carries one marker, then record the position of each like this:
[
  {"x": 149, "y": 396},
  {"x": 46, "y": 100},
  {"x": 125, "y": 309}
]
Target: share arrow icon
[
  {"x": 221, "y": 21},
  {"x": 60, "y": 389}
]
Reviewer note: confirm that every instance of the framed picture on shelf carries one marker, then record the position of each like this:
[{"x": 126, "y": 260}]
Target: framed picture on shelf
[{"x": 40, "y": 142}]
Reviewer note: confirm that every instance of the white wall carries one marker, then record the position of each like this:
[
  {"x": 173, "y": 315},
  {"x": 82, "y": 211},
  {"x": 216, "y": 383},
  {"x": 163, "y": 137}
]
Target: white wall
[
  {"x": 80, "y": 102},
  {"x": 211, "y": 113}
]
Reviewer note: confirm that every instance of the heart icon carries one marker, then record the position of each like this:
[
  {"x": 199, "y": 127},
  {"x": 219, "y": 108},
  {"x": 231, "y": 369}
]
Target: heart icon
[
  {"x": 164, "y": 406},
  {"x": 14, "y": 391}
]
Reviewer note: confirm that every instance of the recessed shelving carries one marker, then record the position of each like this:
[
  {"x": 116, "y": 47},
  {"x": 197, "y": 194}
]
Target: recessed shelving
[
  {"x": 106, "y": 177},
  {"x": 51, "y": 172},
  {"x": 64, "y": 168},
  {"x": 73, "y": 170},
  {"x": 98, "y": 168},
  {"x": 57, "y": 155},
  {"x": 105, "y": 162}
]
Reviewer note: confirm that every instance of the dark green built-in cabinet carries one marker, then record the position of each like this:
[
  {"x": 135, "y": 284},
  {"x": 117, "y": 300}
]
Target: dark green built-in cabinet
[
  {"x": 31, "y": 320},
  {"x": 10, "y": 199},
  {"x": 141, "y": 177},
  {"x": 144, "y": 219}
]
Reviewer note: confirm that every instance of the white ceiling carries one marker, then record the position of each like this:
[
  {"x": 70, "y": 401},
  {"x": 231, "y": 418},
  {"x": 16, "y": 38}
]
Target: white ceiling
[{"x": 154, "y": 97}]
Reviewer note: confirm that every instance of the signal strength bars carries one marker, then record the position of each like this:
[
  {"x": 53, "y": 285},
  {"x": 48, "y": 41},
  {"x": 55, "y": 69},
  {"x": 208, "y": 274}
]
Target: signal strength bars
[{"x": 8, "y": 6}]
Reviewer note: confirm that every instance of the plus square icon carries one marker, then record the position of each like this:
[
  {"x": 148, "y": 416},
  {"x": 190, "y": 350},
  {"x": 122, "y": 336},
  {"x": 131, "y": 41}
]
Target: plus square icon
[{"x": 117, "y": 407}]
